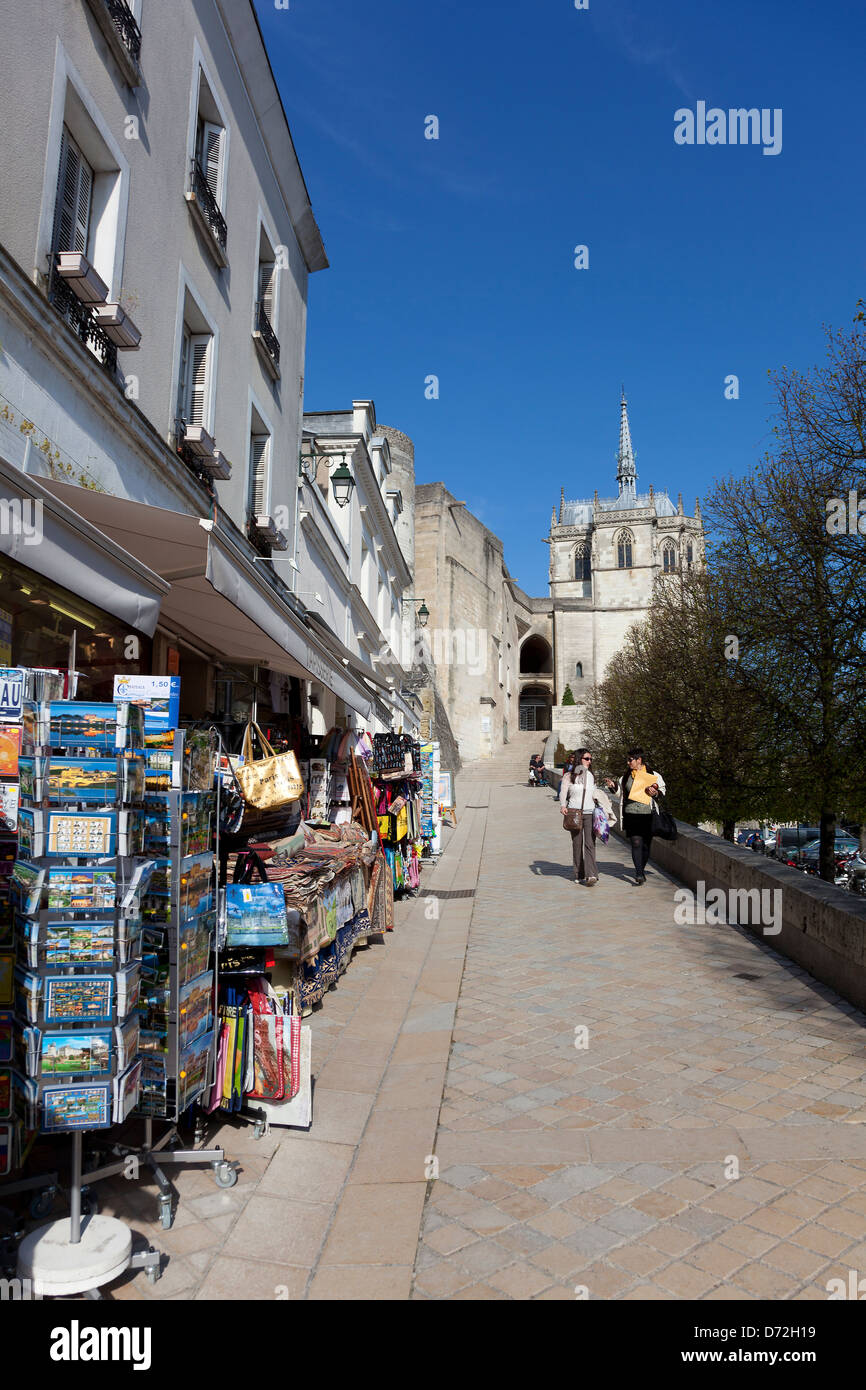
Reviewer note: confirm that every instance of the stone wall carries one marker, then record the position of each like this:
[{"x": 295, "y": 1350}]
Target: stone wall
[{"x": 822, "y": 930}]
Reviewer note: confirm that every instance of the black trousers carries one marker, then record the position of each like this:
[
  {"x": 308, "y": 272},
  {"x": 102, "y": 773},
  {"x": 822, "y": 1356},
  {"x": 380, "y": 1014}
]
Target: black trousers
[{"x": 639, "y": 831}]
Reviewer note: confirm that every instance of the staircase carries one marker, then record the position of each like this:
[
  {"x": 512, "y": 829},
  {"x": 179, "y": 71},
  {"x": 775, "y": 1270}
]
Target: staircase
[{"x": 511, "y": 763}]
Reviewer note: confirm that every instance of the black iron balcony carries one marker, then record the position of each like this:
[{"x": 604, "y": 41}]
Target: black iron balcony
[
  {"x": 124, "y": 22},
  {"x": 188, "y": 456},
  {"x": 80, "y": 319},
  {"x": 269, "y": 337},
  {"x": 207, "y": 204}
]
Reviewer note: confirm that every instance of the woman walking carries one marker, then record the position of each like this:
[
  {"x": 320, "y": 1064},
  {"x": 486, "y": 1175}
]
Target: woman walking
[
  {"x": 638, "y": 789},
  {"x": 577, "y": 795}
]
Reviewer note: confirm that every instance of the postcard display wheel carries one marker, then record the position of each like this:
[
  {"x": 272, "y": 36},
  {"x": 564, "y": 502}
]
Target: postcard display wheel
[
  {"x": 179, "y": 962},
  {"x": 76, "y": 888}
]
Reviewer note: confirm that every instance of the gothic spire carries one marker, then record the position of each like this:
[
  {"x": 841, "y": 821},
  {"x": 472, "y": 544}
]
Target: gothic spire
[
  {"x": 626, "y": 472},
  {"x": 561, "y": 503}
]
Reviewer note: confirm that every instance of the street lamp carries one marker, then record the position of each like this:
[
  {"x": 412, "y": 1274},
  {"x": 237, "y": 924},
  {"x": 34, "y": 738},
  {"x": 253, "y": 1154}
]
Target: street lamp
[
  {"x": 423, "y": 613},
  {"x": 308, "y": 463}
]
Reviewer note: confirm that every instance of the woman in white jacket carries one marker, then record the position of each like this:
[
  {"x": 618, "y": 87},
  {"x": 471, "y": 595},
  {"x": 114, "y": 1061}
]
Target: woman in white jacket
[{"x": 578, "y": 792}]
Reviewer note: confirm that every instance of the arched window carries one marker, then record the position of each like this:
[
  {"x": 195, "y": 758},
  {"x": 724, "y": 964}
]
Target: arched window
[
  {"x": 624, "y": 545},
  {"x": 690, "y": 555},
  {"x": 669, "y": 557},
  {"x": 578, "y": 670},
  {"x": 582, "y": 563}
]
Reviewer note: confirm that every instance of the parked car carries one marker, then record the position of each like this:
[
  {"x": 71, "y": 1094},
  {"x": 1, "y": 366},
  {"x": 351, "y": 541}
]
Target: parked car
[
  {"x": 790, "y": 839},
  {"x": 842, "y": 844}
]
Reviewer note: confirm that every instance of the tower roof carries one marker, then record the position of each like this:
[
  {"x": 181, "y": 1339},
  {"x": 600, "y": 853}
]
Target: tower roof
[{"x": 626, "y": 470}]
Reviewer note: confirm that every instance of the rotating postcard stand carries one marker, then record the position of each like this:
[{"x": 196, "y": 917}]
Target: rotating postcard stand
[
  {"x": 177, "y": 1040},
  {"x": 78, "y": 940}
]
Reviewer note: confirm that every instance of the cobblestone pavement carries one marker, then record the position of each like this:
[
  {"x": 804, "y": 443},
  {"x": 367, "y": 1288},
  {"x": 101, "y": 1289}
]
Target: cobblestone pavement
[
  {"x": 606, "y": 1170},
  {"x": 609, "y": 1170}
]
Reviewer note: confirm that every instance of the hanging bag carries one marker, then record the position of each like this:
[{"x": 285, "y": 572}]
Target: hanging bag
[
  {"x": 270, "y": 781},
  {"x": 600, "y": 828},
  {"x": 664, "y": 827}
]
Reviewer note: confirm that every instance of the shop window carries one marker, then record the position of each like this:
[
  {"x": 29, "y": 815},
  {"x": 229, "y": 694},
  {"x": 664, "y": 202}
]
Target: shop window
[{"x": 43, "y": 624}]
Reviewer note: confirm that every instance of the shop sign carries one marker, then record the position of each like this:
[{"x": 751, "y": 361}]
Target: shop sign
[
  {"x": 317, "y": 667},
  {"x": 160, "y": 696},
  {"x": 11, "y": 691}
]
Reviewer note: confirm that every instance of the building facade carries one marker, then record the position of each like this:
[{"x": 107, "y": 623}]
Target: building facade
[
  {"x": 473, "y": 634},
  {"x": 156, "y": 246}
]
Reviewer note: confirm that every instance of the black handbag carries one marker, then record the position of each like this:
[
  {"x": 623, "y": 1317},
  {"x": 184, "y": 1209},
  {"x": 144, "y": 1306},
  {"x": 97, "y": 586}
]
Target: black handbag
[{"x": 664, "y": 825}]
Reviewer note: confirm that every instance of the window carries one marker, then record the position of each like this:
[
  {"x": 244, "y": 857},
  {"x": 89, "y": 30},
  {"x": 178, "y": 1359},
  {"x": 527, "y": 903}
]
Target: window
[
  {"x": 624, "y": 546},
  {"x": 208, "y": 151},
  {"x": 260, "y": 474},
  {"x": 669, "y": 557},
  {"x": 578, "y": 670},
  {"x": 74, "y": 195},
  {"x": 690, "y": 555},
  {"x": 193, "y": 387},
  {"x": 583, "y": 563},
  {"x": 266, "y": 306}
]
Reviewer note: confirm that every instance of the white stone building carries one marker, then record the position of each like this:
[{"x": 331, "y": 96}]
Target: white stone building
[
  {"x": 605, "y": 556},
  {"x": 156, "y": 242}
]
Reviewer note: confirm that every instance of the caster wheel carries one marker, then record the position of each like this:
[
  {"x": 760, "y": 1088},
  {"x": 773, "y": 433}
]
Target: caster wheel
[
  {"x": 42, "y": 1203},
  {"x": 225, "y": 1175},
  {"x": 153, "y": 1275},
  {"x": 89, "y": 1204},
  {"x": 166, "y": 1216},
  {"x": 259, "y": 1130}
]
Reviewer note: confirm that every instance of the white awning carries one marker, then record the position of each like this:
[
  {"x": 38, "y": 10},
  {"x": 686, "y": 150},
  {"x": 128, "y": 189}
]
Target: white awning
[
  {"x": 217, "y": 598},
  {"x": 56, "y": 542}
]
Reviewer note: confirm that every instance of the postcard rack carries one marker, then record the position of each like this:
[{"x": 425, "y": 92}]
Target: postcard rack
[{"x": 179, "y": 962}]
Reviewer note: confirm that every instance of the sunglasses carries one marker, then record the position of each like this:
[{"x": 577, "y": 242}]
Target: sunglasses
[{"x": 587, "y": 758}]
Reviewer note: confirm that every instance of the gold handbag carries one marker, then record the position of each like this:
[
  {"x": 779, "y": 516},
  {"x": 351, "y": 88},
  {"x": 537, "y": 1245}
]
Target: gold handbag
[{"x": 271, "y": 781}]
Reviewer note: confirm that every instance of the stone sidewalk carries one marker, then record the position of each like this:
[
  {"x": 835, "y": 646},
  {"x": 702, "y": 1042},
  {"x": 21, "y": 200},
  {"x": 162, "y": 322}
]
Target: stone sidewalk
[{"x": 604, "y": 1171}]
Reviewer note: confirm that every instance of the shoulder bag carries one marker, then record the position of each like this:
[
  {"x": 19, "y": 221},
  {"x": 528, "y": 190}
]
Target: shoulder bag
[
  {"x": 664, "y": 825},
  {"x": 573, "y": 820},
  {"x": 271, "y": 781}
]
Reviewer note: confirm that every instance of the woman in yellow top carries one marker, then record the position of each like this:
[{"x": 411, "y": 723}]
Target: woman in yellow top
[{"x": 638, "y": 789}]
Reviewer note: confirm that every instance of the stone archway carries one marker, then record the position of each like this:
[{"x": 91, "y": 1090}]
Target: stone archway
[{"x": 535, "y": 708}]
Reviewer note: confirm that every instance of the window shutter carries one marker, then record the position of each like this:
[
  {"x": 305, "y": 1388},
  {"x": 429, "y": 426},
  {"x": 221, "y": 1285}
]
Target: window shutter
[
  {"x": 211, "y": 156},
  {"x": 183, "y": 377},
  {"x": 259, "y": 470},
  {"x": 267, "y": 277},
  {"x": 72, "y": 208},
  {"x": 199, "y": 377}
]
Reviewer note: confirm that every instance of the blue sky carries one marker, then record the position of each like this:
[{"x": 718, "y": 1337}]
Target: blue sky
[{"x": 456, "y": 257}]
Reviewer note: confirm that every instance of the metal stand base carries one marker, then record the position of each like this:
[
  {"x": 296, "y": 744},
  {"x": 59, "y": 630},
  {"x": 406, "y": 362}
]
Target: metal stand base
[{"x": 154, "y": 1156}]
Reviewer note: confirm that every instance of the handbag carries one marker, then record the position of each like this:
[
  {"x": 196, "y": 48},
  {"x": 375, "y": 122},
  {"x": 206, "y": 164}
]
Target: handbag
[
  {"x": 664, "y": 825},
  {"x": 573, "y": 820},
  {"x": 256, "y": 915},
  {"x": 271, "y": 781}
]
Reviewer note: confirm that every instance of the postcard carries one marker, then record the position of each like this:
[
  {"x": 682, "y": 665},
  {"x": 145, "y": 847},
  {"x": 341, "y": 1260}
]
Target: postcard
[
  {"x": 7, "y": 978},
  {"x": 11, "y": 692},
  {"x": 81, "y": 833},
  {"x": 76, "y": 1107},
  {"x": 196, "y": 886},
  {"x": 8, "y": 805},
  {"x": 76, "y": 1054},
  {"x": 10, "y": 749},
  {"x": 194, "y": 940},
  {"x": 5, "y": 1093},
  {"x": 195, "y": 1009},
  {"x": 92, "y": 780},
  {"x": 194, "y": 1071},
  {"x": 7, "y": 1137},
  {"x": 5, "y": 1037},
  {"x": 127, "y": 1040},
  {"x": 85, "y": 725},
  {"x": 82, "y": 890},
  {"x": 79, "y": 943},
  {"x": 79, "y": 998},
  {"x": 31, "y": 838},
  {"x": 127, "y": 1088}
]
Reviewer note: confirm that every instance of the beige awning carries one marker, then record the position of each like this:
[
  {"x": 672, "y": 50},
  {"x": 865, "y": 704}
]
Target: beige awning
[
  {"x": 217, "y": 598},
  {"x": 57, "y": 542}
]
